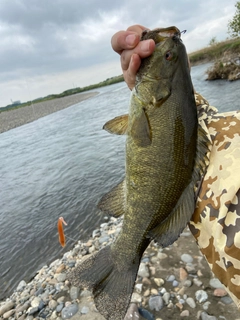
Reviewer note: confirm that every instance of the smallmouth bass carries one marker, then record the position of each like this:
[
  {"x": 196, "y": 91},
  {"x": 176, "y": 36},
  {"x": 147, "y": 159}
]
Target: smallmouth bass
[{"x": 166, "y": 155}]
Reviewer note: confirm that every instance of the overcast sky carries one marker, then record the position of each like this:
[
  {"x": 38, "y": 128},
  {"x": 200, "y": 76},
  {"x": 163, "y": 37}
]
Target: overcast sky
[{"x": 48, "y": 46}]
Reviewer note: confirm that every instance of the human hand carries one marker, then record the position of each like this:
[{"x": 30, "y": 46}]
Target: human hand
[{"x": 128, "y": 45}]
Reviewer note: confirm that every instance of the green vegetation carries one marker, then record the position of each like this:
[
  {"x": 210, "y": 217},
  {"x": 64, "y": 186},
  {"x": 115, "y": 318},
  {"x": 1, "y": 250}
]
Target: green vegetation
[
  {"x": 234, "y": 24},
  {"x": 68, "y": 92},
  {"x": 215, "y": 51}
]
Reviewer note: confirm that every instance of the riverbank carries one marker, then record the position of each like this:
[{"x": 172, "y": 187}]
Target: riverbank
[
  {"x": 173, "y": 283},
  {"x": 17, "y": 117}
]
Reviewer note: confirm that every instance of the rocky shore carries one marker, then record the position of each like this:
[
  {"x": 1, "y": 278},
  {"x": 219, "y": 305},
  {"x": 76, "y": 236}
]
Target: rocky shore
[
  {"x": 172, "y": 283},
  {"x": 18, "y": 117}
]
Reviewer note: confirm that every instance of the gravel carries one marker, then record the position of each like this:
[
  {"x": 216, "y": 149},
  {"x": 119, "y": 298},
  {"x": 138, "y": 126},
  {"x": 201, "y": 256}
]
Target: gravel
[
  {"x": 18, "y": 117},
  {"x": 164, "y": 288}
]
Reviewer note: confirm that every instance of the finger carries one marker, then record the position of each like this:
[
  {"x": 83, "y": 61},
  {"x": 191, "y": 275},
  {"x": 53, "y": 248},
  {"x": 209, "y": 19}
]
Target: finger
[
  {"x": 130, "y": 73},
  {"x": 137, "y": 28},
  {"x": 143, "y": 49},
  {"x": 124, "y": 40}
]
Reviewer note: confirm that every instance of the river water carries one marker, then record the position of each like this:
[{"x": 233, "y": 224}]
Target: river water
[{"x": 61, "y": 165}]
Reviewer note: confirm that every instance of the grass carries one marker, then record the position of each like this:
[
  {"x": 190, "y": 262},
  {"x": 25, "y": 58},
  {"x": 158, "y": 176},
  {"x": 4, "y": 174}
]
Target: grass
[
  {"x": 215, "y": 51},
  {"x": 66, "y": 93}
]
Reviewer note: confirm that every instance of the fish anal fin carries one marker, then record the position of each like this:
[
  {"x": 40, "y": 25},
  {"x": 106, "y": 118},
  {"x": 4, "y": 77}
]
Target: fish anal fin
[
  {"x": 112, "y": 287},
  {"x": 113, "y": 202},
  {"x": 170, "y": 229},
  {"x": 118, "y": 125},
  {"x": 140, "y": 130}
]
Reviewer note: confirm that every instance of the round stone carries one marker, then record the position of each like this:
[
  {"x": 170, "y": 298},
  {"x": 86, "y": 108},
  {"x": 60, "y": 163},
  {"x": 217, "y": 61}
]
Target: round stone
[
  {"x": 186, "y": 258},
  {"x": 184, "y": 313},
  {"x": 143, "y": 271},
  {"x": 69, "y": 311},
  {"x": 191, "y": 302},
  {"x": 215, "y": 283},
  {"x": 170, "y": 278},
  {"x": 84, "y": 310},
  {"x": 155, "y": 303},
  {"x": 220, "y": 292},
  {"x": 61, "y": 277},
  {"x": 201, "y": 296},
  {"x": 52, "y": 304}
]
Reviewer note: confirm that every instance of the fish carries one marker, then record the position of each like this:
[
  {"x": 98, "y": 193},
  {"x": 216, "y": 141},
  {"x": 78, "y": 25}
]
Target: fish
[
  {"x": 61, "y": 235},
  {"x": 166, "y": 155}
]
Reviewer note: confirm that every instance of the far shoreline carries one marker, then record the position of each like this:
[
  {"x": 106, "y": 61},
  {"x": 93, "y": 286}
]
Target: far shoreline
[{"x": 17, "y": 117}]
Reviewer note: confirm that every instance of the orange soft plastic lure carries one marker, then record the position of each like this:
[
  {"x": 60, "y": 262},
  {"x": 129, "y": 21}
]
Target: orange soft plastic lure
[{"x": 61, "y": 232}]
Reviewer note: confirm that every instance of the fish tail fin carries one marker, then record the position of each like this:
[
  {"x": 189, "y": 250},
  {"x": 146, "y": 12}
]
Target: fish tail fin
[{"x": 112, "y": 286}]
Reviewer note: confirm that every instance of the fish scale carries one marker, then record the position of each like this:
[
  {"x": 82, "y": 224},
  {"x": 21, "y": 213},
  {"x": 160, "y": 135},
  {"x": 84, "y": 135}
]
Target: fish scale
[{"x": 166, "y": 154}]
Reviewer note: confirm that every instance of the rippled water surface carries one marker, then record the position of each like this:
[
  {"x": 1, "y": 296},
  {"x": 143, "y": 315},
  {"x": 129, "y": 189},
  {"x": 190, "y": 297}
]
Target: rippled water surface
[{"x": 61, "y": 165}]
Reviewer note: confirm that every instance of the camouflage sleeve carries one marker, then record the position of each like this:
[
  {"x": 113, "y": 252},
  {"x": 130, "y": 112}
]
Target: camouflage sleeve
[{"x": 215, "y": 223}]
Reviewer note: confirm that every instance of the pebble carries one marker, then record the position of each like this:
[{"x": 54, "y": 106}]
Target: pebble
[
  {"x": 21, "y": 286},
  {"x": 61, "y": 277},
  {"x": 143, "y": 271},
  {"x": 183, "y": 274},
  {"x": 226, "y": 300},
  {"x": 145, "y": 314},
  {"x": 6, "y": 307},
  {"x": 215, "y": 283},
  {"x": 132, "y": 312},
  {"x": 170, "y": 278},
  {"x": 166, "y": 297},
  {"x": 155, "y": 303},
  {"x": 52, "y": 304},
  {"x": 50, "y": 295},
  {"x": 205, "y": 316},
  {"x": 74, "y": 292},
  {"x": 206, "y": 305},
  {"x": 220, "y": 292},
  {"x": 197, "y": 282},
  {"x": 187, "y": 283},
  {"x": 159, "y": 282},
  {"x": 201, "y": 296},
  {"x": 8, "y": 314},
  {"x": 186, "y": 258},
  {"x": 136, "y": 297},
  {"x": 84, "y": 310},
  {"x": 161, "y": 255},
  {"x": 175, "y": 283},
  {"x": 69, "y": 311},
  {"x": 185, "y": 313},
  {"x": 191, "y": 302}
]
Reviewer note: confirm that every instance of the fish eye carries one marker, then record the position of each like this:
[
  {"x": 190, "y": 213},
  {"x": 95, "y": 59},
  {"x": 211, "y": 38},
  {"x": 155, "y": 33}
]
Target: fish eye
[{"x": 169, "y": 55}]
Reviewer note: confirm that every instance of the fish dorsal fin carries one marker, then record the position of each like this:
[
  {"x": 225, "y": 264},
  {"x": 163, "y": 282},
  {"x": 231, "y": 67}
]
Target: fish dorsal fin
[
  {"x": 169, "y": 231},
  {"x": 118, "y": 125},
  {"x": 113, "y": 203},
  {"x": 140, "y": 130}
]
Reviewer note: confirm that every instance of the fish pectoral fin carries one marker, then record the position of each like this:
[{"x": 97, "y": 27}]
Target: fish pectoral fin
[
  {"x": 171, "y": 228},
  {"x": 140, "y": 130},
  {"x": 113, "y": 202},
  {"x": 118, "y": 125}
]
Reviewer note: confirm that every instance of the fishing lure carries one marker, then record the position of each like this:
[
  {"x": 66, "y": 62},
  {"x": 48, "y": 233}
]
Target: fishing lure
[{"x": 61, "y": 221}]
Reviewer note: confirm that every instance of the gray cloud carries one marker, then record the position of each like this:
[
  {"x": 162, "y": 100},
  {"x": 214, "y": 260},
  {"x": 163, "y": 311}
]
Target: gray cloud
[{"x": 41, "y": 38}]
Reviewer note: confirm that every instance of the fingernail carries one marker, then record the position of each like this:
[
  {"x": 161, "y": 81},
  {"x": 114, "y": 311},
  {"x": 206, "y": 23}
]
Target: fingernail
[
  {"x": 131, "y": 39},
  {"x": 145, "y": 45}
]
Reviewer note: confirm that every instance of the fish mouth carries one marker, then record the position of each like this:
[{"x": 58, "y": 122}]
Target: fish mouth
[{"x": 161, "y": 34}]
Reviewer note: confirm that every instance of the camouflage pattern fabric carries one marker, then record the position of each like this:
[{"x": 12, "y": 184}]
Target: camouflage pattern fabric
[{"x": 215, "y": 223}]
